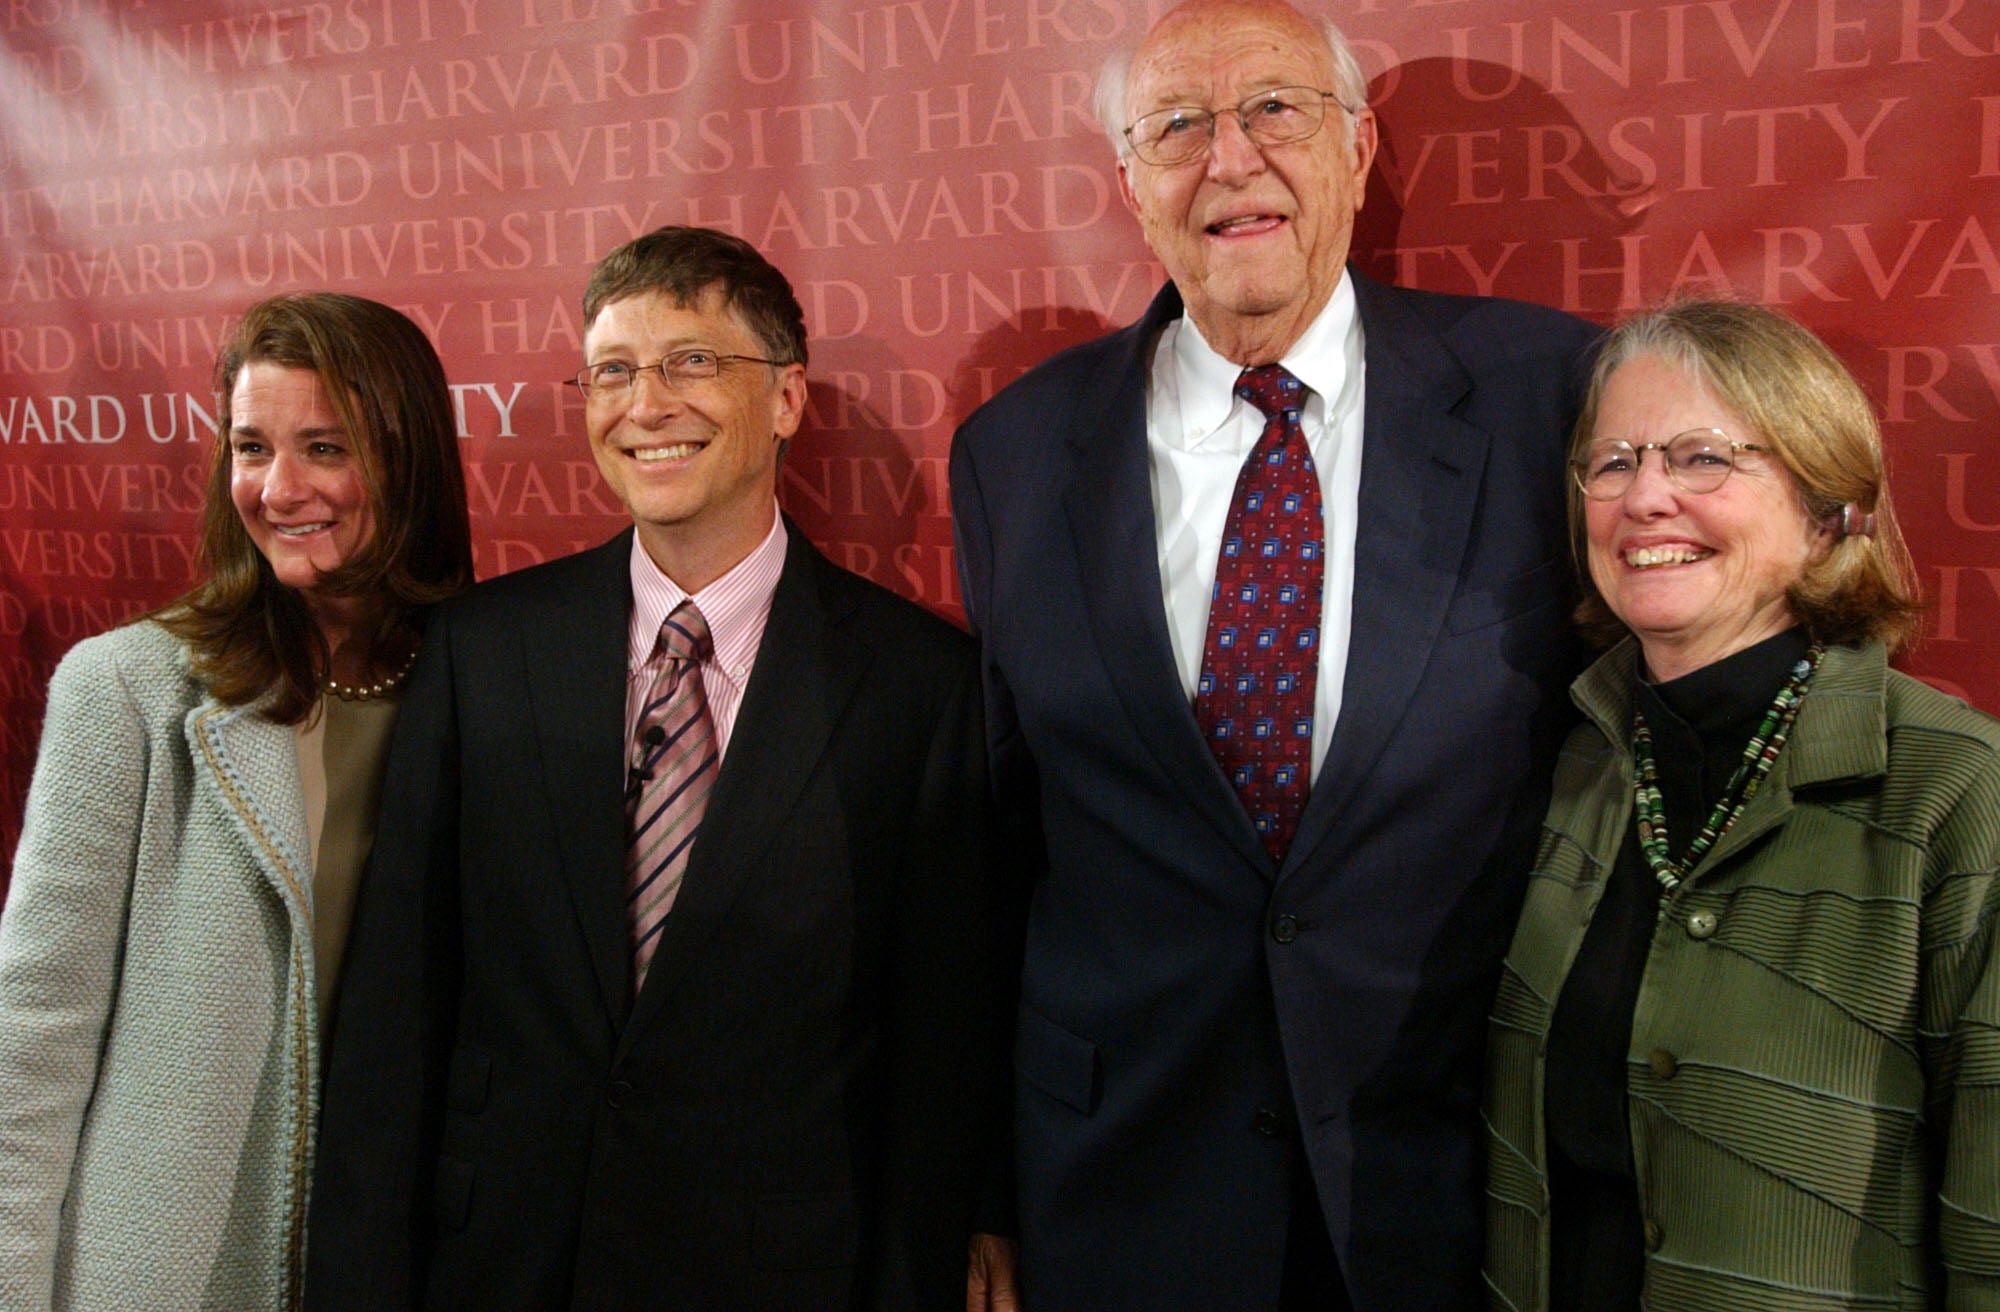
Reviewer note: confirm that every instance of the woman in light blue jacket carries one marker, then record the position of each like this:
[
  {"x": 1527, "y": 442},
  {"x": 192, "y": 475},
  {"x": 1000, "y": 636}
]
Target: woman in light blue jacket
[{"x": 200, "y": 812}]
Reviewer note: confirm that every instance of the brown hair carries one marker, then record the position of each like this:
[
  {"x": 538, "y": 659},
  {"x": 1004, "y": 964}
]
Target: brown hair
[
  {"x": 253, "y": 638},
  {"x": 1799, "y": 400},
  {"x": 684, "y": 263}
]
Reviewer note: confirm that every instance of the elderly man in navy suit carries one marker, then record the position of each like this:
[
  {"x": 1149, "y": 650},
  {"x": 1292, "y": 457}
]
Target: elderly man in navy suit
[
  {"x": 1272, "y": 590},
  {"x": 679, "y": 972}
]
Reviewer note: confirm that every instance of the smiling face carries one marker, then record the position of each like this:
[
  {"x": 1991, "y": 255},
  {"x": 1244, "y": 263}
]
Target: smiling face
[
  {"x": 1696, "y": 577},
  {"x": 698, "y": 466},
  {"x": 295, "y": 475},
  {"x": 1255, "y": 239}
]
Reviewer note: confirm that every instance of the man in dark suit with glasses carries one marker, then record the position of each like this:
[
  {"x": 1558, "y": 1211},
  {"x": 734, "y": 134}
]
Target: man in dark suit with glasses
[
  {"x": 678, "y": 975},
  {"x": 1272, "y": 588}
]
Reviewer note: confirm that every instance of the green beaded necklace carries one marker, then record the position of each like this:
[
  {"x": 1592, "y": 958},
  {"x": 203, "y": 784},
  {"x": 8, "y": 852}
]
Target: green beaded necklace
[{"x": 1758, "y": 758}]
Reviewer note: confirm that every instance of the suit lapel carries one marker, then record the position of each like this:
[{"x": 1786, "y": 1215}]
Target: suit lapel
[
  {"x": 1420, "y": 478},
  {"x": 808, "y": 667},
  {"x": 251, "y": 763},
  {"x": 1838, "y": 736},
  {"x": 573, "y": 665},
  {"x": 1109, "y": 502}
]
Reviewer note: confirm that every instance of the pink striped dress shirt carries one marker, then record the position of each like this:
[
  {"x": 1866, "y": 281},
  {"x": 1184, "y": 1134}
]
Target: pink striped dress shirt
[{"x": 736, "y": 606}]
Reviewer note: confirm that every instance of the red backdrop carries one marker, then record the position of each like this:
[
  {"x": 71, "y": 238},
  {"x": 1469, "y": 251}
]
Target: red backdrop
[{"x": 929, "y": 175}]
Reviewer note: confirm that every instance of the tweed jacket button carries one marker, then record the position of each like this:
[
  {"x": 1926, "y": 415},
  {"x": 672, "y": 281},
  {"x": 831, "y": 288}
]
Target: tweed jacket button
[
  {"x": 1655, "y": 1236},
  {"x": 1663, "y": 1064},
  {"x": 1285, "y": 928},
  {"x": 1701, "y": 924},
  {"x": 619, "y": 1093}
]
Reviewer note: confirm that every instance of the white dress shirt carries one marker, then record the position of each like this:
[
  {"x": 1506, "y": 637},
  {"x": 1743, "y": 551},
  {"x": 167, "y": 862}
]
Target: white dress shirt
[{"x": 1198, "y": 433}]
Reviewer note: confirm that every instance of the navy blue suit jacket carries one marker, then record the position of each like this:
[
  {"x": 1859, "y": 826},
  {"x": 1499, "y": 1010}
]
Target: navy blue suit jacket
[{"x": 1187, "y": 1008}]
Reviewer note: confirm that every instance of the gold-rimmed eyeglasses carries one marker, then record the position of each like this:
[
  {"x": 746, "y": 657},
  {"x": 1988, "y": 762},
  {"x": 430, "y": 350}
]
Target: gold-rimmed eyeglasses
[
  {"x": 613, "y": 379},
  {"x": 1183, "y": 133},
  {"x": 1698, "y": 461}
]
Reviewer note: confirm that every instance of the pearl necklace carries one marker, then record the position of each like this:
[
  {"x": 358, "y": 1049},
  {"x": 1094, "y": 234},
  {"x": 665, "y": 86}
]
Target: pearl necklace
[{"x": 369, "y": 692}]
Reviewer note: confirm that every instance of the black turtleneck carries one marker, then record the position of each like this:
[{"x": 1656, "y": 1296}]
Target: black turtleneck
[{"x": 1701, "y": 723}]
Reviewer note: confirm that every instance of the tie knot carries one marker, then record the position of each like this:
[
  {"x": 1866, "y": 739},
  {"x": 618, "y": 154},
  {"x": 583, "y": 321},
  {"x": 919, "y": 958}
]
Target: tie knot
[
  {"x": 1272, "y": 389},
  {"x": 684, "y": 634}
]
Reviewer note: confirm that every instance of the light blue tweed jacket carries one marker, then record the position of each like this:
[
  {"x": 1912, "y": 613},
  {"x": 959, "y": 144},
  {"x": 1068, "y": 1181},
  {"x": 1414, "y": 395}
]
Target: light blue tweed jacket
[{"x": 158, "y": 1081}]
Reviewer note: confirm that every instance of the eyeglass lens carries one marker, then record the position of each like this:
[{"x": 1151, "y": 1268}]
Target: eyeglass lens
[
  {"x": 614, "y": 378},
  {"x": 1269, "y": 118},
  {"x": 1697, "y": 461}
]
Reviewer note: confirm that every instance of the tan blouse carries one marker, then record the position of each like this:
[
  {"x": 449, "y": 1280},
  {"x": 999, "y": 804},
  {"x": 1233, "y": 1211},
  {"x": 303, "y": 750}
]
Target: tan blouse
[{"x": 342, "y": 752}]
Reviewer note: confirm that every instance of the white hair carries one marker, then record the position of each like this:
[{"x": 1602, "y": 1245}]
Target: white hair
[{"x": 1350, "y": 88}]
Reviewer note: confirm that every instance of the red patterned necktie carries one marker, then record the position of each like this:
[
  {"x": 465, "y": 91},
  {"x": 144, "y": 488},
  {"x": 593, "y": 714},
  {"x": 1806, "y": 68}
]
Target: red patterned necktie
[
  {"x": 675, "y": 769},
  {"x": 1260, "y": 663}
]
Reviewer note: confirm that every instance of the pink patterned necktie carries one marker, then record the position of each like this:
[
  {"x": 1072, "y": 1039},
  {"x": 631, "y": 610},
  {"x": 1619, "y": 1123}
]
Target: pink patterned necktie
[
  {"x": 1260, "y": 663},
  {"x": 674, "y": 771}
]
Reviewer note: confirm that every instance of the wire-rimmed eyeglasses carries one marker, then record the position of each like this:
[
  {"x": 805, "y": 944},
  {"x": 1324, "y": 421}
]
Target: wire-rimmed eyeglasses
[
  {"x": 1698, "y": 461},
  {"x": 612, "y": 379},
  {"x": 1182, "y": 133}
]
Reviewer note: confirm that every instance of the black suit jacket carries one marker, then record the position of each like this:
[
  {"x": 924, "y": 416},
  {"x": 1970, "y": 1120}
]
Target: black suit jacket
[
  {"x": 1188, "y": 1012},
  {"x": 792, "y": 1113}
]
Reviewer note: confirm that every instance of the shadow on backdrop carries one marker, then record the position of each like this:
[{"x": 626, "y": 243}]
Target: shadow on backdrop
[{"x": 1473, "y": 151}]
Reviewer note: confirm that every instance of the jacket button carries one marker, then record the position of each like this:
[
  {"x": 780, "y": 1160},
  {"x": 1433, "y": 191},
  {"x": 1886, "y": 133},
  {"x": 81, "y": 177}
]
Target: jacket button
[
  {"x": 1701, "y": 924},
  {"x": 1655, "y": 1236},
  {"x": 1268, "y": 1123},
  {"x": 619, "y": 1093},
  {"x": 1663, "y": 1063},
  {"x": 1285, "y": 928}
]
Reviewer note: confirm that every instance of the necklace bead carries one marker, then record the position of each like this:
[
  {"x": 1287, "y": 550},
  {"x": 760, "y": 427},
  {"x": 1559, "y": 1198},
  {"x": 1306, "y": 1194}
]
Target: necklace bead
[
  {"x": 1758, "y": 757},
  {"x": 371, "y": 691}
]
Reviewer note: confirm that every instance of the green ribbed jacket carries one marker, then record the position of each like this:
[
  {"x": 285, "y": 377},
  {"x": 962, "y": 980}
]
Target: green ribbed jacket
[{"x": 1813, "y": 1083}]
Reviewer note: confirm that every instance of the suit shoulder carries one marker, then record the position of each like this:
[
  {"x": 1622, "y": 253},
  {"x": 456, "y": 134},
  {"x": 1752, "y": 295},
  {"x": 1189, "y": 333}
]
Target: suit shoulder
[
  {"x": 536, "y": 585},
  {"x": 141, "y": 643},
  {"x": 1058, "y": 383},
  {"x": 142, "y": 656},
  {"x": 1942, "y": 784},
  {"x": 902, "y": 624},
  {"x": 110, "y": 690},
  {"x": 1497, "y": 329},
  {"x": 1918, "y": 712}
]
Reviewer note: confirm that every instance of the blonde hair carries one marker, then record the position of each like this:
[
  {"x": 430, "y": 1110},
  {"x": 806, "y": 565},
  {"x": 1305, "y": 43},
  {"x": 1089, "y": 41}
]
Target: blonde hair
[{"x": 1799, "y": 400}]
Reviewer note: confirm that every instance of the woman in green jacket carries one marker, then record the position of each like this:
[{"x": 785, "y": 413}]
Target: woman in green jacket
[{"x": 1746, "y": 1050}]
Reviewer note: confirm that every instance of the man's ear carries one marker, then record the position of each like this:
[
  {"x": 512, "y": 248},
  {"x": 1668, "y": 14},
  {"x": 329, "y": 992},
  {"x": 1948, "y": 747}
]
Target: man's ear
[
  {"x": 1367, "y": 141},
  {"x": 788, "y": 402}
]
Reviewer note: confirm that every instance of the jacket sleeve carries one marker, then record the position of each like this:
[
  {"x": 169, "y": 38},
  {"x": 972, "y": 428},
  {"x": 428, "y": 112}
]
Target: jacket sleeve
[
  {"x": 62, "y": 943},
  {"x": 1011, "y": 770},
  {"x": 955, "y": 965},
  {"x": 1015, "y": 790},
  {"x": 368, "y": 1232},
  {"x": 1962, "y": 968}
]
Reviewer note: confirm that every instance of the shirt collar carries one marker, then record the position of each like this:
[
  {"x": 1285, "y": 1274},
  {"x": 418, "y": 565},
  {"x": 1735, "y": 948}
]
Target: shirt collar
[
  {"x": 735, "y": 605},
  {"x": 1205, "y": 381}
]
